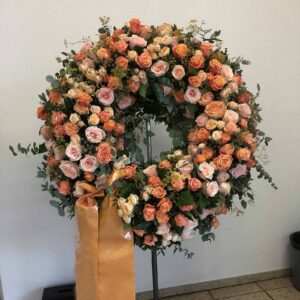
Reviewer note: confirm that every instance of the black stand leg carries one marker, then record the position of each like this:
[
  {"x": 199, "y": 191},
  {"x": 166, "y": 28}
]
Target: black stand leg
[{"x": 154, "y": 275}]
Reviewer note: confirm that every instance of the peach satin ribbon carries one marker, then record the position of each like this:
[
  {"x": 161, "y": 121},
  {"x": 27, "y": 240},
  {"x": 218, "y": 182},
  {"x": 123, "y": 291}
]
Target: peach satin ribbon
[{"x": 105, "y": 252}]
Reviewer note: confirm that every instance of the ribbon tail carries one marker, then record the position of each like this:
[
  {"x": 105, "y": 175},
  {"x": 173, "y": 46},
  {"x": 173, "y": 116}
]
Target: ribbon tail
[{"x": 116, "y": 255}]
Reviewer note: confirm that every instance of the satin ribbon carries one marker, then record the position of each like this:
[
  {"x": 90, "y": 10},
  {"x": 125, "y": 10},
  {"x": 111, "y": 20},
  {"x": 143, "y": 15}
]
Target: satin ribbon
[{"x": 105, "y": 251}]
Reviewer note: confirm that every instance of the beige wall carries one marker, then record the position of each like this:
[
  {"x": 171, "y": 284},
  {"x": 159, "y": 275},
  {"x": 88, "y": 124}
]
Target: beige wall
[{"x": 36, "y": 246}]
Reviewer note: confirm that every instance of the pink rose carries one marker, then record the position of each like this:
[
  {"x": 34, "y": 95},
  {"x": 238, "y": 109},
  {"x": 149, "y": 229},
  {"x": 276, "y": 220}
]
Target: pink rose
[
  {"x": 190, "y": 225},
  {"x": 244, "y": 110},
  {"x": 194, "y": 184},
  {"x": 224, "y": 188},
  {"x": 178, "y": 72},
  {"x": 69, "y": 168},
  {"x": 94, "y": 134},
  {"x": 206, "y": 170},
  {"x": 192, "y": 95},
  {"x": 212, "y": 188},
  {"x": 88, "y": 62},
  {"x": 125, "y": 101},
  {"x": 230, "y": 116},
  {"x": 150, "y": 171},
  {"x": 73, "y": 151},
  {"x": 201, "y": 120},
  {"x": 159, "y": 68},
  {"x": 223, "y": 176},
  {"x": 163, "y": 229},
  {"x": 136, "y": 40},
  {"x": 238, "y": 171},
  {"x": 227, "y": 72},
  {"x": 105, "y": 96},
  {"x": 233, "y": 87},
  {"x": 184, "y": 166},
  {"x": 88, "y": 163},
  {"x": 181, "y": 220},
  {"x": 206, "y": 98}
]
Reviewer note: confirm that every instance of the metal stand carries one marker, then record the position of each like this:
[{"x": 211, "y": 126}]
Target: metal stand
[{"x": 153, "y": 252}]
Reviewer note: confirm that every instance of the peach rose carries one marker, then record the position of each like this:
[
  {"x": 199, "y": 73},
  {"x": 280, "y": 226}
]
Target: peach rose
[
  {"x": 54, "y": 97},
  {"x": 105, "y": 96},
  {"x": 109, "y": 125},
  {"x": 230, "y": 116},
  {"x": 162, "y": 217},
  {"x": 160, "y": 68},
  {"x": 244, "y": 98},
  {"x": 194, "y": 184},
  {"x": 211, "y": 124},
  {"x": 133, "y": 85},
  {"x": 206, "y": 98},
  {"x": 223, "y": 162},
  {"x": 144, "y": 60},
  {"x": 122, "y": 62},
  {"x": 231, "y": 128},
  {"x": 164, "y": 29},
  {"x": 64, "y": 187},
  {"x": 94, "y": 134},
  {"x": 165, "y": 164},
  {"x": 70, "y": 129},
  {"x": 130, "y": 171},
  {"x": 187, "y": 207},
  {"x": 82, "y": 110},
  {"x": 206, "y": 48},
  {"x": 217, "y": 82},
  {"x": 73, "y": 151},
  {"x": 154, "y": 181},
  {"x": 227, "y": 72},
  {"x": 192, "y": 95},
  {"x": 181, "y": 220},
  {"x": 41, "y": 113},
  {"x": 164, "y": 205},
  {"x": 243, "y": 154},
  {"x": 243, "y": 123},
  {"x": 52, "y": 161},
  {"x": 206, "y": 170},
  {"x": 121, "y": 46},
  {"x": 226, "y": 137},
  {"x": 103, "y": 53},
  {"x": 57, "y": 117},
  {"x": 215, "y": 223},
  {"x": 237, "y": 78},
  {"x": 119, "y": 129},
  {"x": 104, "y": 153},
  {"x": 136, "y": 40},
  {"x": 149, "y": 212},
  {"x": 179, "y": 96},
  {"x": 201, "y": 120},
  {"x": 150, "y": 171},
  {"x": 200, "y": 158},
  {"x": 224, "y": 188},
  {"x": 125, "y": 101},
  {"x": 135, "y": 26},
  {"x": 83, "y": 99},
  {"x": 215, "y": 66},
  {"x": 46, "y": 132},
  {"x": 58, "y": 130},
  {"x": 215, "y": 109},
  {"x": 180, "y": 50},
  {"x": 194, "y": 81},
  {"x": 69, "y": 168},
  {"x": 207, "y": 152},
  {"x": 197, "y": 61},
  {"x": 159, "y": 192},
  {"x": 244, "y": 110},
  {"x": 177, "y": 185},
  {"x": 178, "y": 72},
  {"x": 88, "y": 163},
  {"x": 104, "y": 116},
  {"x": 227, "y": 149},
  {"x": 150, "y": 240},
  {"x": 113, "y": 82},
  {"x": 212, "y": 188}
]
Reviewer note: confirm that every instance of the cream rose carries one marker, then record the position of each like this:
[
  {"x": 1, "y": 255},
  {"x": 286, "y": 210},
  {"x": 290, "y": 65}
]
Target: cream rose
[
  {"x": 159, "y": 68},
  {"x": 230, "y": 116},
  {"x": 192, "y": 95},
  {"x": 212, "y": 188},
  {"x": 88, "y": 163},
  {"x": 94, "y": 134},
  {"x": 224, "y": 188},
  {"x": 206, "y": 170},
  {"x": 73, "y": 151},
  {"x": 227, "y": 72},
  {"x": 69, "y": 168}
]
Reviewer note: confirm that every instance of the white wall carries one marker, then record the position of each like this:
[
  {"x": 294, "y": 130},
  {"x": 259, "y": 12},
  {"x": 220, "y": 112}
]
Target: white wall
[{"x": 36, "y": 246}]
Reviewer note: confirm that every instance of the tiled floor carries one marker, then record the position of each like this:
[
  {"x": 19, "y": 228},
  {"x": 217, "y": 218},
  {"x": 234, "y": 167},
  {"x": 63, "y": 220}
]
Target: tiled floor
[{"x": 276, "y": 289}]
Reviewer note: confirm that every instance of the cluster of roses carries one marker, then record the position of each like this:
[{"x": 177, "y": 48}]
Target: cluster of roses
[{"x": 106, "y": 78}]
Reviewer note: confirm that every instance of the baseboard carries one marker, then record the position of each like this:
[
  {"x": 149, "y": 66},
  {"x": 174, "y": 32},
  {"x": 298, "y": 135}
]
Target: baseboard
[{"x": 214, "y": 284}]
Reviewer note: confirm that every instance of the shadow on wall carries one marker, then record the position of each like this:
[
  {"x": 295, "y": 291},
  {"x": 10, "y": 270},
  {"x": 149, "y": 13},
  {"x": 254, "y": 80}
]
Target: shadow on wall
[{"x": 35, "y": 294}]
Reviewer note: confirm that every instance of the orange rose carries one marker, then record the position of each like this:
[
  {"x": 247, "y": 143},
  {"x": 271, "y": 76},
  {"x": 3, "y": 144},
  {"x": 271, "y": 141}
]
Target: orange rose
[
  {"x": 227, "y": 149},
  {"x": 117, "y": 33},
  {"x": 144, "y": 60},
  {"x": 243, "y": 123},
  {"x": 70, "y": 128},
  {"x": 195, "y": 81},
  {"x": 79, "y": 56},
  {"x": 181, "y": 220},
  {"x": 159, "y": 192},
  {"x": 133, "y": 85},
  {"x": 194, "y": 184},
  {"x": 206, "y": 98},
  {"x": 206, "y": 48},
  {"x": 197, "y": 61},
  {"x": 187, "y": 207},
  {"x": 231, "y": 127},
  {"x": 165, "y": 164},
  {"x": 121, "y": 46},
  {"x": 80, "y": 109},
  {"x": 164, "y": 205},
  {"x": 64, "y": 187},
  {"x": 113, "y": 82},
  {"x": 83, "y": 99},
  {"x": 243, "y": 154},
  {"x": 180, "y": 50},
  {"x": 226, "y": 137},
  {"x": 251, "y": 163},
  {"x": 154, "y": 181},
  {"x": 89, "y": 176},
  {"x": 103, "y": 53},
  {"x": 104, "y": 153},
  {"x": 119, "y": 129},
  {"x": 41, "y": 113},
  {"x": 179, "y": 96},
  {"x": 215, "y": 109},
  {"x": 198, "y": 136},
  {"x": 58, "y": 117},
  {"x": 244, "y": 97},
  {"x": 130, "y": 171},
  {"x": 223, "y": 162},
  {"x": 237, "y": 78},
  {"x": 149, "y": 212},
  {"x": 162, "y": 217},
  {"x": 109, "y": 125},
  {"x": 138, "y": 232},
  {"x": 122, "y": 62},
  {"x": 200, "y": 158},
  {"x": 217, "y": 82},
  {"x": 208, "y": 153},
  {"x": 58, "y": 130},
  {"x": 104, "y": 116},
  {"x": 135, "y": 26},
  {"x": 52, "y": 161},
  {"x": 215, "y": 66},
  {"x": 54, "y": 96},
  {"x": 150, "y": 240},
  {"x": 177, "y": 185}
]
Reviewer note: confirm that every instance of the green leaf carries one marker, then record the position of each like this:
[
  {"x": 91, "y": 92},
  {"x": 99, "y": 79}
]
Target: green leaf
[
  {"x": 192, "y": 107},
  {"x": 58, "y": 59},
  {"x": 61, "y": 211},
  {"x": 185, "y": 198},
  {"x": 258, "y": 87},
  {"x": 54, "y": 203},
  {"x": 55, "y": 83},
  {"x": 11, "y": 148},
  {"x": 49, "y": 78},
  {"x": 143, "y": 91},
  {"x": 246, "y": 62},
  {"x": 244, "y": 204}
]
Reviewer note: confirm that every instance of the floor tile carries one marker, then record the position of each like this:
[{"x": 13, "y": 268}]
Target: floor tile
[
  {"x": 287, "y": 293},
  {"x": 275, "y": 283},
  {"x": 252, "y": 296},
  {"x": 193, "y": 296},
  {"x": 235, "y": 290}
]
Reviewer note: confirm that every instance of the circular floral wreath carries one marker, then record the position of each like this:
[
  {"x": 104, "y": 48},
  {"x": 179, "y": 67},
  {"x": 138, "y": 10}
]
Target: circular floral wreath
[{"x": 130, "y": 76}]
